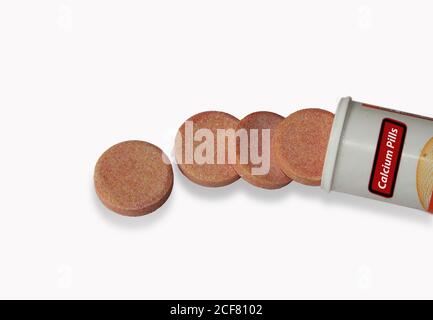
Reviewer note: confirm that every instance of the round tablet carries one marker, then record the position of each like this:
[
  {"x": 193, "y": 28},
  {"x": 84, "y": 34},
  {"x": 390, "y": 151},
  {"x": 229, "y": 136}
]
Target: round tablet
[
  {"x": 262, "y": 170},
  {"x": 300, "y": 143},
  {"x": 133, "y": 178},
  {"x": 206, "y": 149}
]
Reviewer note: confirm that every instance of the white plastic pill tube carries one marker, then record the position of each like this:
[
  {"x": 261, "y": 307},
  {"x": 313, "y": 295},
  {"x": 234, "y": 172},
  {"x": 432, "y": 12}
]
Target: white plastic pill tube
[{"x": 381, "y": 154}]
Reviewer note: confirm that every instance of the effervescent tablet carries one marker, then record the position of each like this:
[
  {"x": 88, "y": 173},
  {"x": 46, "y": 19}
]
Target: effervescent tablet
[{"x": 133, "y": 178}]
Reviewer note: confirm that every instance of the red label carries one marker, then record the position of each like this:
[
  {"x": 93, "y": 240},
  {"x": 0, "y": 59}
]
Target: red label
[{"x": 387, "y": 159}]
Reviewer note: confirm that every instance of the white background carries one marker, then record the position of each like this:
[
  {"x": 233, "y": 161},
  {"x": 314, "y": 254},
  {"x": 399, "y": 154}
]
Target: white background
[{"x": 79, "y": 76}]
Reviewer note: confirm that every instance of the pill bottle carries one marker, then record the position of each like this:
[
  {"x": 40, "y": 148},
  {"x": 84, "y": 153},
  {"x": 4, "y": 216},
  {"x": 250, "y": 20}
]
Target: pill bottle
[{"x": 381, "y": 154}]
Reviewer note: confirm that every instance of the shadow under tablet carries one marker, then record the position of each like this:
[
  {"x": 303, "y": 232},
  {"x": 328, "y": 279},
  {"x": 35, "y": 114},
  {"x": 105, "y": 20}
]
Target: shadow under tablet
[
  {"x": 239, "y": 186},
  {"x": 329, "y": 200},
  {"x": 294, "y": 189}
]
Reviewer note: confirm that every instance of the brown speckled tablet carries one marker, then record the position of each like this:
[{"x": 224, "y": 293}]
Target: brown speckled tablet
[
  {"x": 209, "y": 173},
  {"x": 254, "y": 123},
  {"x": 300, "y": 142},
  {"x": 132, "y": 179}
]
